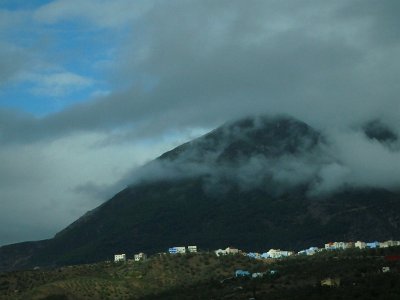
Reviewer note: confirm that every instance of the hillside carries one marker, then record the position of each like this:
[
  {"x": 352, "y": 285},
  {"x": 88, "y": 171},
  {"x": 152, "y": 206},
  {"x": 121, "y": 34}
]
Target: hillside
[
  {"x": 205, "y": 276},
  {"x": 245, "y": 184}
]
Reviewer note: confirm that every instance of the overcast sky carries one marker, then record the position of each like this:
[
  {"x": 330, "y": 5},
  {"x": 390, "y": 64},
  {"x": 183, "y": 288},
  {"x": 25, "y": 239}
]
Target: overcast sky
[{"x": 90, "y": 89}]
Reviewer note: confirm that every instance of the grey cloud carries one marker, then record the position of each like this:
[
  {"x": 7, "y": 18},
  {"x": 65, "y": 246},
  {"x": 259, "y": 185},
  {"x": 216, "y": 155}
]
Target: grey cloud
[
  {"x": 341, "y": 159},
  {"x": 295, "y": 159},
  {"x": 384, "y": 26},
  {"x": 45, "y": 185},
  {"x": 96, "y": 191},
  {"x": 107, "y": 14},
  {"x": 196, "y": 64},
  {"x": 235, "y": 58},
  {"x": 13, "y": 60}
]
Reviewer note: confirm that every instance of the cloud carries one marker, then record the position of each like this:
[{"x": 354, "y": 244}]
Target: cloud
[
  {"x": 243, "y": 59},
  {"x": 57, "y": 84},
  {"x": 369, "y": 163},
  {"x": 100, "y": 13},
  {"x": 183, "y": 65},
  {"x": 11, "y": 19},
  {"x": 273, "y": 154},
  {"x": 13, "y": 60},
  {"x": 277, "y": 155},
  {"x": 47, "y": 185},
  {"x": 295, "y": 57}
]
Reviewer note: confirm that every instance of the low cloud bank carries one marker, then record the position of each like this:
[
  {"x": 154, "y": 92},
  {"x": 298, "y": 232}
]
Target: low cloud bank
[{"x": 325, "y": 163}]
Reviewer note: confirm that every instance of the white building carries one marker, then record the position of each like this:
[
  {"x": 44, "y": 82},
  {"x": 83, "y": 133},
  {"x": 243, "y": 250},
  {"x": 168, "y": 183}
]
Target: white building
[
  {"x": 274, "y": 253},
  {"x": 257, "y": 275},
  {"x": 177, "y": 250},
  {"x": 389, "y": 243},
  {"x": 309, "y": 251},
  {"x": 227, "y": 251},
  {"x": 192, "y": 249},
  {"x": 385, "y": 244},
  {"x": 140, "y": 256},
  {"x": 277, "y": 253},
  {"x": 330, "y": 246},
  {"x": 119, "y": 257},
  {"x": 254, "y": 255},
  {"x": 231, "y": 250},
  {"x": 220, "y": 252},
  {"x": 340, "y": 245},
  {"x": 360, "y": 245}
]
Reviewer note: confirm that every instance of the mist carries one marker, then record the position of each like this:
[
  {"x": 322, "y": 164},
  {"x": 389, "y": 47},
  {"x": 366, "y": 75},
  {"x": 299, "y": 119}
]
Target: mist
[{"x": 325, "y": 162}]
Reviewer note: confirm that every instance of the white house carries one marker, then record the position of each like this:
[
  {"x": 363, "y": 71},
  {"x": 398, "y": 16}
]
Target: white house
[
  {"x": 330, "y": 246},
  {"x": 192, "y": 249},
  {"x": 372, "y": 245},
  {"x": 389, "y": 243},
  {"x": 274, "y": 253},
  {"x": 119, "y": 257},
  {"x": 340, "y": 245},
  {"x": 265, "y": 255},
  {"x": 277, "y": 253},
  {"x": 360, "y": 245},
  {"x": 227, "y": 251},
  {"x": 220, "y": 252},
  {"x": 254, "y": 255},
  {"x": 140, "y": 256},
  {"x": 257, "y": 275},
  {"x": 309, "y": 251},
  {"x": 231, "y": 250},
  {"x": 177, "y": 250}
]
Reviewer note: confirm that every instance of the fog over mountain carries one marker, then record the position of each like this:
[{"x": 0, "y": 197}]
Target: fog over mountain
[
  {"x": 94, "y": 90},
  {"x": 362, "y": 157}
]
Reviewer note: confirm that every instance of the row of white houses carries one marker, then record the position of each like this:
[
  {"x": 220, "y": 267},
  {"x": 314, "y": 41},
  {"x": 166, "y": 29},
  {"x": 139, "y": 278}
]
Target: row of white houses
[
  {"x": 122, "y": 257},
  {"x": 277, "y": 253},
  {"x": 182, "y": 250},
  {"x": 360, "y": 245},
  {"x": 141, "y": 256},
  {"x": 272, "y": 253}
]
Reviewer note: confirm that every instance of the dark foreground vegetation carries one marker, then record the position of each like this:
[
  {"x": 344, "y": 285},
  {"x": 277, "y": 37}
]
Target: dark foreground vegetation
[{"x": 357, "y": 275}]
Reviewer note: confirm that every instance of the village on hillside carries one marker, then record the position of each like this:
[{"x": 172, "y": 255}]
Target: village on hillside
[{"x": 272, "y": 253}]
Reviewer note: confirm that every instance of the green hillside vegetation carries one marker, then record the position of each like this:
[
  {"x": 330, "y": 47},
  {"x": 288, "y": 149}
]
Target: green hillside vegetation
[{"x": 205, "y": 276}]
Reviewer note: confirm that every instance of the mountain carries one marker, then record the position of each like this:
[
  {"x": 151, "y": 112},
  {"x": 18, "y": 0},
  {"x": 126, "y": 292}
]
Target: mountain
[
  {"x": 379, "y": 131},
  {"x": 250, "y": 184}
]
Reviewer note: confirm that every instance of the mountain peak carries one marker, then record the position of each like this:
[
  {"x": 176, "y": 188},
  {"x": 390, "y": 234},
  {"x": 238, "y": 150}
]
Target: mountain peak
[
  {"x": 379, "y": 131},
  {"x": 260, "y": 135}
]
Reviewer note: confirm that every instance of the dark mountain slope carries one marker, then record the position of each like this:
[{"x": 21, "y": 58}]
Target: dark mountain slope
[
  {"x": 379, "y": 131},
  {"x": 221, "y": 190}
]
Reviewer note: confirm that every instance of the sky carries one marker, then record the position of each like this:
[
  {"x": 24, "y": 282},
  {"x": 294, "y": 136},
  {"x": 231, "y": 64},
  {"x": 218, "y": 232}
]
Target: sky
[{"x": 91, "y": 90}]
